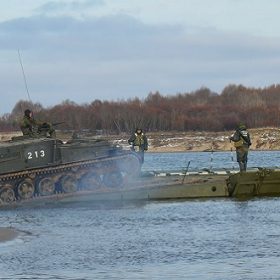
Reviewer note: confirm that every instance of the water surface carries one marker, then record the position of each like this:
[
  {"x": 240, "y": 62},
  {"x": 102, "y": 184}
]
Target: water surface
[{"x": 174, "y": 239}]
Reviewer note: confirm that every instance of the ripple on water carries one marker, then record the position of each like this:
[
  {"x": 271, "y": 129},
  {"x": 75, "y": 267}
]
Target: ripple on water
[{"x": 191, "y": 239}]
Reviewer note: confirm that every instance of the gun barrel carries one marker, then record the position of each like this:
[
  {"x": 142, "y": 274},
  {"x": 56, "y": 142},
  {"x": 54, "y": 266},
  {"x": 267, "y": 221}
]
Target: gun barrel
[{"x": 57, "y": 123}]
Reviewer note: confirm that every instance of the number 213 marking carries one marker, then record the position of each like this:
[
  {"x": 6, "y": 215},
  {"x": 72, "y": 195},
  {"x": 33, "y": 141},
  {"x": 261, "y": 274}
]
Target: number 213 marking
[{"x": 36, "y": 154}]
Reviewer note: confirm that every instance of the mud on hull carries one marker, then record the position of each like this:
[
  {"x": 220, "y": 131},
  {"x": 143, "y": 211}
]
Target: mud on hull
[
  {"x": 264, "y": 182},
  {"x": 42, "y": 167},
  {"x": 142, "y": 188}
]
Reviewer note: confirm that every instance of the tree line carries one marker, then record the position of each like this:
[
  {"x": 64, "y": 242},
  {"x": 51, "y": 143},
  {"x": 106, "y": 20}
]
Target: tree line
[{"x": 202, "y": 109}]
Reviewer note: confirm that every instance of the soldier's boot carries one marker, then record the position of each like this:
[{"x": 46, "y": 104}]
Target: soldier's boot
[
  {"x": 245, "y": 165},
  {"x": 242, "y": 166}
]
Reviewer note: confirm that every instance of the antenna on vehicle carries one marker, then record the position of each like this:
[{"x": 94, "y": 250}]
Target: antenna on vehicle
[
  {"x": 24, "y": 77},
  {"x": 186, "y": 171}
]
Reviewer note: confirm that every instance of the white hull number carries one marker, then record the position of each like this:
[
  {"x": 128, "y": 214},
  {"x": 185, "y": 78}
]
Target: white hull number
[{"x": 36, "y": 154}]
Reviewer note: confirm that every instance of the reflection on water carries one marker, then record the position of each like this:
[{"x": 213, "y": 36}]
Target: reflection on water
[
  {"x": 187, "y": 239},
  {"x": 176, "y": 239}
]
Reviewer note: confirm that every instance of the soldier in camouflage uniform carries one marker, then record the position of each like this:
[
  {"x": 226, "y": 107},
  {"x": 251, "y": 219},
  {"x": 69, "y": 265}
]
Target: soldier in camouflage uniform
[
  {"x": 33, "y": 128},
  {"x": 242, "y": 142},
  {"x": 139, "y": 140}
]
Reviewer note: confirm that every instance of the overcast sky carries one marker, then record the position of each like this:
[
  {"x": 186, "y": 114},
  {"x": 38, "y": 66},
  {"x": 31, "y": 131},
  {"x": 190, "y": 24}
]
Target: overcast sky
[{"x": 118, "y": 49}]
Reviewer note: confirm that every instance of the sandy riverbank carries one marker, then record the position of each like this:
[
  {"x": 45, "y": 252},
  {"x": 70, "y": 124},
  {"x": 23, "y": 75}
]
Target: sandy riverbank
[
  {"x": 199, "y": 141},
  {"x": 7, "y": 234},
  {"x": 262, "y": 139}
]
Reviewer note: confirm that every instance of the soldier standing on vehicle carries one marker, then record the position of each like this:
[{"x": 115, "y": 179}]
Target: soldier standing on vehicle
[
  {"x": 242, "y": 142},
  {"x": 139, "y": 140},
  {"x": 33, "y": 128}
]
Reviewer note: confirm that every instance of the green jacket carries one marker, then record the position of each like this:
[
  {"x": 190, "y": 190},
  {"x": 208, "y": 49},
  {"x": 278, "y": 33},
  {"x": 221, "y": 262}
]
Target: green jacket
[
  {"x": 243, "y": 136},
  {"x": 34, "y": 128},
  {"x": 139, "y": 140},
  {"x": 28, "y": 126}
]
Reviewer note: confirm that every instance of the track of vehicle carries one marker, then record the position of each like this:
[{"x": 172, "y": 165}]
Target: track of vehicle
[{"x": 108, "y": 172}]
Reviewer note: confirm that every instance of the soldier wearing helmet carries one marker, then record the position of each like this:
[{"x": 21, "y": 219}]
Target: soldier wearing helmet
[
  {"x": 139, "y": 142},
  {"x": 33, "y": 128},
  {"x": 242, "y": 142}
]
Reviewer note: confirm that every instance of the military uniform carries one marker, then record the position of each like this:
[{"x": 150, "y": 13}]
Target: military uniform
[
  {"x": 139, "y": 142},
  {"x": 242, "y": 142},
  {"x": 27, "y": 126},
  {"x": 33, "y": 128}
]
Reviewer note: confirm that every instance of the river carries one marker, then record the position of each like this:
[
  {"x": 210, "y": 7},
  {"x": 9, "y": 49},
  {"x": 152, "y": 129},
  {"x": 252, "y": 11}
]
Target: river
[{"x": 178, "y": 239}]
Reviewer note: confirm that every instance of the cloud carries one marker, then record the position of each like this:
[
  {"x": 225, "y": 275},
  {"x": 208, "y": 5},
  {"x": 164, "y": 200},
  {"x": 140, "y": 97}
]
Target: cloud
[
  {"x": 53, "y": 7},
  {"x": 123, "y": 37},
  {"x": 115, "y": 37},
  {"x": 121, "y": 57}
]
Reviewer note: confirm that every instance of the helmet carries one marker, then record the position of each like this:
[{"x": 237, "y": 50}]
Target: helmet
[
  {"x": 241, "y": 126},
  {"x": 27, "y": 113},
  {"x": 138, "y": 130}
]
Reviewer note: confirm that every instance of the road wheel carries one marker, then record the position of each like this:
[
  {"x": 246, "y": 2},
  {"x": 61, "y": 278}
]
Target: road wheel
[
  {"x": 113, "y": 179},
  {"x": 90, "y": 181},
  {"x": 68, "y": 183},
  {"x": 7, "y": 194},
  {"x": 25, "y": 189},
  {"x": 46, "y": 186}
]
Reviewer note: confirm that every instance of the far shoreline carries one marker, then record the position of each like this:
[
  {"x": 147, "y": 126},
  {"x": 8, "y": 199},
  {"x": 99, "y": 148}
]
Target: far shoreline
[
  {"x": 263, "y": 139},
  {"x": 208, "y": 151}
]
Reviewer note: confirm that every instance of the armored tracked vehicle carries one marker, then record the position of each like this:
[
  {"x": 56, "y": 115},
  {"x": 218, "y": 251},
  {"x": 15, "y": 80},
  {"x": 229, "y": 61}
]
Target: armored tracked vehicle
[{"x": 31, "y": 167}]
